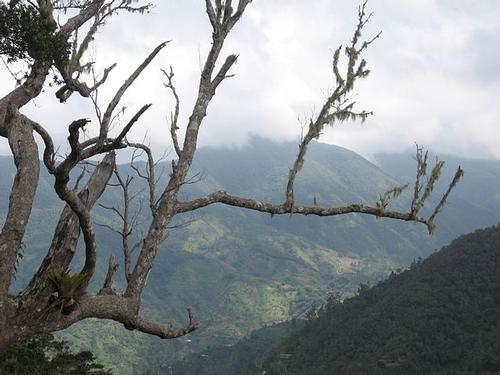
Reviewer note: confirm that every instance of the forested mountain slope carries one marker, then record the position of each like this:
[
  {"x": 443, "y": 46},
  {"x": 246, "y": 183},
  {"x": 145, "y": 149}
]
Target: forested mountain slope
[
  {"x": 234, "y": 359},
  {"x": 440, "y": 317},
  {"x": 240, "y": 270}
]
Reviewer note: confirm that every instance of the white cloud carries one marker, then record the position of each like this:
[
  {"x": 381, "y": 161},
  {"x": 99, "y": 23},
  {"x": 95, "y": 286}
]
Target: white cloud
[{"x": 435, "y": 77}]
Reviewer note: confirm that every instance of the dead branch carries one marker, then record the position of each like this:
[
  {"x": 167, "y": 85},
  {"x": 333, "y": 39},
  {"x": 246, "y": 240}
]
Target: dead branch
[
  {"x": 127, "y": 226},
  {"x": 108, "y": 282},
  {"x": 222, "y": 25},
  {"x": 175, "y": 115},
  {"x": 338, "y": 107},
  {"x": 379, "y": 210},
  {"x": 72, "y": 68},
  {"x": 67, "y": 232},
  {"x": 149, "y": 177},
  {"x": 105, "y": 123}
]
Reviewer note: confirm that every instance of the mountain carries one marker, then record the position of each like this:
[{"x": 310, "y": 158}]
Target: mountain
[
  {"x": 234, "y": 359},
  {"x": 242, "y": 270},
  {"x": 442, "y": 316}
]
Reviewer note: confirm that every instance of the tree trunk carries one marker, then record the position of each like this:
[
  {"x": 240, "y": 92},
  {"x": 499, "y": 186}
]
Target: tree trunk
[{"x": 8, "y": 333}]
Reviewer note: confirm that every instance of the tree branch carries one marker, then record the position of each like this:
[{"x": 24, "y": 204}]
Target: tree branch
[
  {"x": 222, "y": 74},
  {"x": 150, "y": 174},
  {"x": 48, "y": 152},
  {"x": 206, "y": 91},
  {"x": 108, "y": 282},
  {"x": 85, "y": 14},
  {"x": 66, "y": 234},
  {"x": 127, "y": 227},
  {"x": 174, "y": 117},
  {"x": 282, "y": 209},
  {"x": 379, "y": 210},
  {"x": 25, "y": 152},
  {"x": 119, "y": 309},
  {"x": 105, "y": 123},
  {"x": 166, "y": 332},
  {"x": 337, "y": 107},
  {"x": 22, "y": 94}
]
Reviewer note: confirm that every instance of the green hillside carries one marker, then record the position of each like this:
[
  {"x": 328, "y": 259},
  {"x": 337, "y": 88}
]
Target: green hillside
[
  {"x": 440, "y": 317},
  {"x": 242, "y": 270},
  {"x": 234, "y": 359}
]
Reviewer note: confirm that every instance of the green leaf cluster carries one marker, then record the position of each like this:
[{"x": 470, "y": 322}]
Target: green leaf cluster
[
  {"x": 29, "y": 33},
  {"x": 42, "y": 355},
  {"x": 68, "y": 287}
]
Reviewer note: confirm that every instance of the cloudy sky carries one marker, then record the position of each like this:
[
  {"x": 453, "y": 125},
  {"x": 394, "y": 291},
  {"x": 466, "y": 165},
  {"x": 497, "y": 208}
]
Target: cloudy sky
[{"x": 435, "y": 74}]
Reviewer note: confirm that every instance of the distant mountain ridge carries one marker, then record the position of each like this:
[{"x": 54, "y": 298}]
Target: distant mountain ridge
[{"x": 240, "y": 270}]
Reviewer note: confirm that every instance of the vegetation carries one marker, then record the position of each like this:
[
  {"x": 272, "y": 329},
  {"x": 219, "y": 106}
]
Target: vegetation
[
  {"x": 68, "y": 288},
  {"x": 28, "y": 34},
  {"x": 249, "y": 281},
  {"x": 43, "y": 355},
  {"x": 442, "y": 316},
  {"x": 233, "y": 359},
  {"x": 54, "y": 36}
]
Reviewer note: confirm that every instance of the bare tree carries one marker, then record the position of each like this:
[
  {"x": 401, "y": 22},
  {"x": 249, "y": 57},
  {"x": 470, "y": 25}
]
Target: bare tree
[{"x": 56, "y": 299}]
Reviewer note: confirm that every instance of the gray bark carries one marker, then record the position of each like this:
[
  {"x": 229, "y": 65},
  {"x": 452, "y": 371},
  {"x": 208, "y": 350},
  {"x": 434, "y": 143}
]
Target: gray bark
[{"x": 25, "y": 153}]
